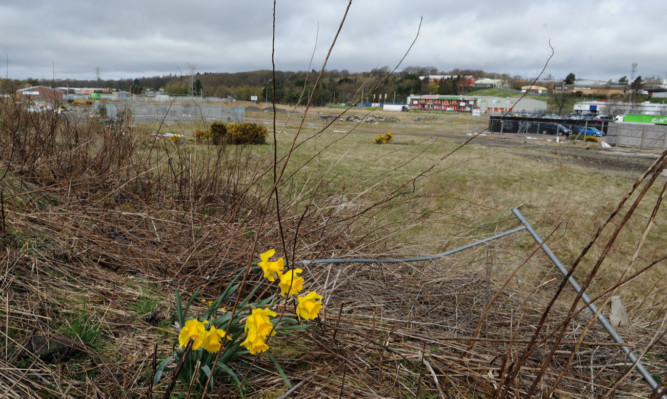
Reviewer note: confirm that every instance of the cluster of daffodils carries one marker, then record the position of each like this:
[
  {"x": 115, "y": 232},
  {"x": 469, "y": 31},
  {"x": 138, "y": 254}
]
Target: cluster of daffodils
[
  {"x": 258, "y": 326},
  {"x": 384, "y": 138},
  {"x": 205, "y": 347},
  {"x": 208, "y": 339}
]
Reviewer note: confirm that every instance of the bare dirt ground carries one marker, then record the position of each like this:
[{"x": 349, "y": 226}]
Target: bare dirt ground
[{"x": 591, "y": 155}]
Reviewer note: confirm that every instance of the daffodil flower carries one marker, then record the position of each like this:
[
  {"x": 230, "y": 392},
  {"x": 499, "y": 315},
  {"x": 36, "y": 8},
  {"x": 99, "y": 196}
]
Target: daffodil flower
[
  {"x": 258, "y": 322},
  {"x": 255, "y": 346},
  {"x": 292, "y": 282},
  {"x": 272, "y": 270},
  {"x": 192, "y": 329},
  {"x": 212, "y": 340},
  {"x": 258, "y": 327},
  {"x": 308, "y": 307}
]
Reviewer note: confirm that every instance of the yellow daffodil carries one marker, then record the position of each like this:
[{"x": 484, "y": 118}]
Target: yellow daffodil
[
  {"x": 257, "y": 327},
  {"x": 192, "y": 329},
  {"x": 272, "y": 270},
  {"x": 258, "y": 323},
  {"x": 256, "y": 345},
  {"x": 308, "y": 307},
  {"x": 212, "y": 340},
  {"x": 292, "y": 282}
]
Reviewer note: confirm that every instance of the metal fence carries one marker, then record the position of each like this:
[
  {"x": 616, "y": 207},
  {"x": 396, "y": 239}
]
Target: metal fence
[
  {"x": 499, "y": 124},
  {"x": 142, "y": 112}
]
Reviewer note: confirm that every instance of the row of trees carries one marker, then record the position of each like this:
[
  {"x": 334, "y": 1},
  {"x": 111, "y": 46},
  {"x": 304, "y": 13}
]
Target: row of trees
[
  {"x": 336, "y": 86},
  {"x": 340, "y": 86},
  {"x": 636, "y": 84}
]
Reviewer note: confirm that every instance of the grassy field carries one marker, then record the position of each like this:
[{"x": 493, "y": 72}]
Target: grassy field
[{"x": 100, "y": 226}]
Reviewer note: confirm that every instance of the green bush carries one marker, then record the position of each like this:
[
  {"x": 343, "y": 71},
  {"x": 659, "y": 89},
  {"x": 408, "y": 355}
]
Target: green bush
[{"x": 218, "y": 132}]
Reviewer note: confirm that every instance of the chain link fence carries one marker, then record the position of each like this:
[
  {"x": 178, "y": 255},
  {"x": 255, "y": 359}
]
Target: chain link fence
[{"x": 141, "y": 112}]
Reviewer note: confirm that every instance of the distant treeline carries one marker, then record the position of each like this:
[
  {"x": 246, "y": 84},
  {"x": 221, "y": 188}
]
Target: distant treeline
[{"x": 336, "y": 86}]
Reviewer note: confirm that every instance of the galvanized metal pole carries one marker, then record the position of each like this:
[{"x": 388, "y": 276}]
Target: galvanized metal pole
[
  {"x": 402, "y": 260},
  {"x": 603, "y": 320},
  {"x": 413, "y": 259}
]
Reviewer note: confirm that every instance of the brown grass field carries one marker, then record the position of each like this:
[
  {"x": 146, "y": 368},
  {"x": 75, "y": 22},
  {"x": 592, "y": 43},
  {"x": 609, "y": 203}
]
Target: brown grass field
[{"x": 100, "y": 226}]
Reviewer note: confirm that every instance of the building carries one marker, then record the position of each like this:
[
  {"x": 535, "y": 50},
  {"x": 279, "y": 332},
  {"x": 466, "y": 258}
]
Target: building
[
  {"x": 534, "y": 89},
  {"x": 592, "y": 87},
  {"x": 620, "y": 108},
  {"x": 485, "y": 82},
  {"x": 501, "y": 105},
  {"x": 39, "y": 93},
  {"x": 436, "y": 102},
  {"x": 485, "y": 104}
]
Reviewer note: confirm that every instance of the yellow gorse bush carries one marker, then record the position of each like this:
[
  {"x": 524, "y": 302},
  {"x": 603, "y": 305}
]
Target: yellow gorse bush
[{"x": 384, "y": 138}]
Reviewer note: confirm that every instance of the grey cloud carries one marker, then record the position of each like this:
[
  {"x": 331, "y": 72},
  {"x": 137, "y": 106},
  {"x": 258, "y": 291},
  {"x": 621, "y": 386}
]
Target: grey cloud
[{"x": 136, "y": 38}]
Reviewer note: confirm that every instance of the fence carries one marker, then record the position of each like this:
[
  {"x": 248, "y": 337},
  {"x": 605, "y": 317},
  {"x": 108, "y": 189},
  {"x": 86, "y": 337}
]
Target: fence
[
  {"x": 499, "y": 124},
  {"x": 142, "y": 112},
  {"x": 639, "y": 135}
]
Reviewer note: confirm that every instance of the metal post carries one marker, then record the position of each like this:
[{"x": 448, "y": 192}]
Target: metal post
[
  {"x": 603, "y": 320},
  {"x": 416, "y": 258}
]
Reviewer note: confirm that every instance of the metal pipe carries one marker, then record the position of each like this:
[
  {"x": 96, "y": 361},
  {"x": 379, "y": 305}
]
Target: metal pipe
[
  {"x": 383, "y": 260},
  {"x": 603, "y": 320},
  {"x": 413, "y": 259}
]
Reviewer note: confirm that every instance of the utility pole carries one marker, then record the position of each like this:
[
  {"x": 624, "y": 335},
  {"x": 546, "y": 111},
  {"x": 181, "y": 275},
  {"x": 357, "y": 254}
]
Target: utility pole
[
  {"x": 192, "y": 79},
  {"x": 632, "y": 80}
]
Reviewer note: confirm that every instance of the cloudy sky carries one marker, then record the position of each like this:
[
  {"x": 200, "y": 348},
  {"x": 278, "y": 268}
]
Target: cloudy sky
[{"x": 126, "y": 39}]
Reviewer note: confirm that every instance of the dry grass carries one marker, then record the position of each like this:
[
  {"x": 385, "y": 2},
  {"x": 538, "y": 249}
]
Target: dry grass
[{"x": 100, "y": 225}]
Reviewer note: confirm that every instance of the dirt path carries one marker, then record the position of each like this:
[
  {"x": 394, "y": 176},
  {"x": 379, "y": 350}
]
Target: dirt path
[{"x": 605, "y": 160}]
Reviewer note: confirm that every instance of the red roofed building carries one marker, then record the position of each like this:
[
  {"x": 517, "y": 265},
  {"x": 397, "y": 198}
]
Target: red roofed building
[{"x": 39, "y": 93}]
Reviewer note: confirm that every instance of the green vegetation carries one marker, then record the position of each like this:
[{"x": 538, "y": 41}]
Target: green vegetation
[{"x": 81, "y": 326}]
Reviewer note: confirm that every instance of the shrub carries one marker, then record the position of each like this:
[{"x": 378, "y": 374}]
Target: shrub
[
  {"x": 246, "y": 133},
  {"x": 233, "y": 133},
  {"x": 176, "y": 140},
  {"x": 204, "y": 136},
  {"x": 218, "y": 132},
  {"x": 384, "y": 138}
]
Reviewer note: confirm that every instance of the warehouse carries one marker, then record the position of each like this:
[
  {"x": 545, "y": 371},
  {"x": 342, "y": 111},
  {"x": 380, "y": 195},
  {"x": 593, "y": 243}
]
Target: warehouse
[
  {"x": 39, "y": 93},
  {"x": 486, "y": 104},
  {"x": 436, "y": 102}
]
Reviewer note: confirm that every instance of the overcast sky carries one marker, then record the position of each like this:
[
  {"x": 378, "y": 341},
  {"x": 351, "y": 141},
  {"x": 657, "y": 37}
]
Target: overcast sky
[{"x": 127, "y": 39}]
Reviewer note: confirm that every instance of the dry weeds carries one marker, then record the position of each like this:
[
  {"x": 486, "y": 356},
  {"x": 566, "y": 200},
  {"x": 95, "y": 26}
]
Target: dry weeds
[{"x": 100, "y": 224}]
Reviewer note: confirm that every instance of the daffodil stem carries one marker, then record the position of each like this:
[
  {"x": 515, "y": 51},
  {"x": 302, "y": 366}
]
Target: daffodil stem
[{"x": 178, "y": 368}]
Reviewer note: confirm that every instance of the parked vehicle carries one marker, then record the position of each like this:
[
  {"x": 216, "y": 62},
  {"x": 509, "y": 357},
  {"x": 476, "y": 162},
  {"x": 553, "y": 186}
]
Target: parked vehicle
[
  {"x": 590, "y": 131},
  {"x": 554, "y": 128}
]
